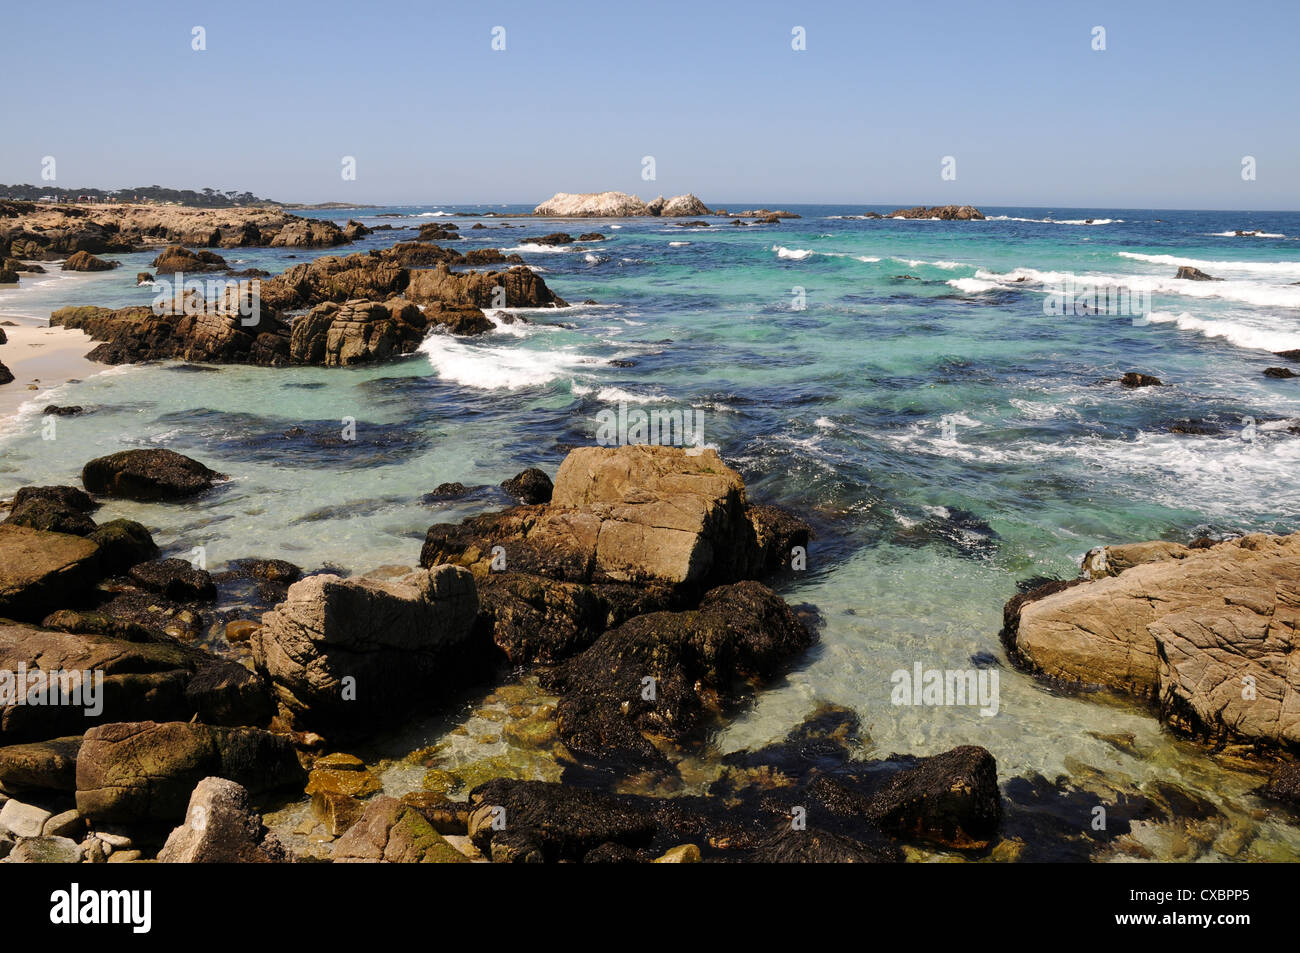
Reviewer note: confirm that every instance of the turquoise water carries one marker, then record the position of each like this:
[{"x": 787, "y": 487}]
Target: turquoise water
[{"x": 945, "y": 435}]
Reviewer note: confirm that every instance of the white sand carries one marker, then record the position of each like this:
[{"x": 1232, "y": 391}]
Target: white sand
[{"x": 44, "y": 356}]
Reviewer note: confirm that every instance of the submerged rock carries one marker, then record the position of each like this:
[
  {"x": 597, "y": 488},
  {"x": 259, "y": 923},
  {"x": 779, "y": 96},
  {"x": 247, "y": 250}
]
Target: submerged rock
[{"x": 390, "y": 832}]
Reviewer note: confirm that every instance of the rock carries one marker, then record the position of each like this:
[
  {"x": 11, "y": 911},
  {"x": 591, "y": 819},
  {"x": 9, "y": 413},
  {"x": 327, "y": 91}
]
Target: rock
[
  {"x": 23, "y": 820},
  {"x": 147, "y": 770},
  {"x": 240, "y": 630},
  {"x": 147, "y": 475},
  {"x": 51, "y": 516},
  {"x": 228, "y": 330},
  {"x": 820, "y": 847},
  {"x": 684, "y": 205},
  {"x": 45, "y": 850},
  {"x": 445, "y": 491},
  {"x": 54, "y": 410},
  {"x": 143, "y": 278},
  {"x": 309, "y": 233},
  {"x": 553, "y": 822},
  {"x": 122, "y": 544},
  {"x": 1113, "y": 560},
  {"x": 98, "y": 623},
  {"x": 354, "y": 230},
  {"x": 959, "y": 213},
  {"x": 463, "y": 321},
  {"x": 1280, "y": 372},
  {"x": 592, "y": 205},
  {"x": 176, "y": 258},
  {"x": 140, "y": 680},
  {"x": 554, "y": 238},
  {"x": 342, "y": 774},
  {"x": 6, "y": 375},
  {"x": 950, "y": 799},
  {"x": 591, "y": 237},
  {"x": 175, "y": 579},
  {"x": 391, "y": 832},
  {"x": 1186, "y": 632},
  {"x": 1189, "y": 273},
  {"x": 357, "y": 332},
  {"x": 84, "y": 261},
  {"x": 222, "y": 828},
  {"x": 532, "y": 486},
  {"x": 534, "y": 619},
  {"x": 42, "y": 571},
  {"x": 68, "y": 824},
  {"x": 520, "y": 288},
  {"x": 1284, "y": 784},
  {"x": 45, "y": 765},
  {"x": 345, "y": 654},
  {"x": 1292, "y": 355},
  {"x": 1133, "y": 379},
  {"x": 696, "y": 658},
  {"x": 682, "y": 854}
]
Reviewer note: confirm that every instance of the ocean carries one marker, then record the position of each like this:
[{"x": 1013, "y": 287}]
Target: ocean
[{"x": 921, "y": 391}]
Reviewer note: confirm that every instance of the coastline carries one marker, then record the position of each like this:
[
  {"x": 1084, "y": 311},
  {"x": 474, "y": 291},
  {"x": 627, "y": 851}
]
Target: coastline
[{"x": 44, "y": 356}]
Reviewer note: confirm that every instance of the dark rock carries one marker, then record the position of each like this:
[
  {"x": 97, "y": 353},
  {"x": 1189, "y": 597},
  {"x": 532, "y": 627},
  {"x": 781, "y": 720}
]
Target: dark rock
[
  {"x": 950, "y": 799},
  {"x": 530, "y": 487},
  {"x": 41, "y": 571},
  {"x": 1280, "y": 372},
  {"x": 123, "y": 544},
  {"x": 1134, "y": 379},
  {"x": 1283, "y": 784},
  {"x": 54, "y": 410},
  {"x": 50, "y": 515},
  {"x": 147, "y": 475},
  {"x": 1189, "y": 273},
  {"x": 175, "y": 579},
  {"x": 445, "y": 491},
  {"x": 591, "y": 237},
  {"x": 820, "y": 847}
]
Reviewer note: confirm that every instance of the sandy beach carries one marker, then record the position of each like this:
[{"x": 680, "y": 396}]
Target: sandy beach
[{"x": 41, "y": 356}]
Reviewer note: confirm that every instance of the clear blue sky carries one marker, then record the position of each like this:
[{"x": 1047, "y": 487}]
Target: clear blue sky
[{"x": 414, "y": 91}]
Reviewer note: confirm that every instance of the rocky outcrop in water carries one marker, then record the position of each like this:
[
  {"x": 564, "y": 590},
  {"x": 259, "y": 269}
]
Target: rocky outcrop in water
[
  {"x": 1188, "y": 273},
  {"x": 617, "y": 205},
  {"x": 948, "y": 213},
  {"x": 1205, "y": 633},
  {"x": 357, "y": 332},
  {"x": 176, "y": 258},
  {"x": 517, "y": 287},
  {"x": 84, "y": 261}
]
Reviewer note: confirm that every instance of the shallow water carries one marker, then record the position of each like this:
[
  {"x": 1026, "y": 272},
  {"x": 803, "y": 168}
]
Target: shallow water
[{"x": 946, "y": 437}]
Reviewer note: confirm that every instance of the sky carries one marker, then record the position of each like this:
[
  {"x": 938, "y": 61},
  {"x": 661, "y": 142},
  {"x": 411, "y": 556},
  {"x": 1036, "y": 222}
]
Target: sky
[{"x": 415, "y": 93}]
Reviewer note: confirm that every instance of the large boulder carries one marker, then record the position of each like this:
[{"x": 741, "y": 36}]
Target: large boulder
[
  {"x": 950, "y": 799},
  {"x": 632, "y": 514},
  {"x": 1206, "y": 633},
  {"x": 372, "y": 277},
  {"x": 221, "y": 827},
  {"x": 357, "y": 332},
  {"x": 42, "y": 571},
  {"x": 346, "y": 654},
  {"x": 139, "y": 680},
  {"x": 960, "y": 213},
  {"x": 146, "y": 771},
  {"x": 147, "y": 475}
]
